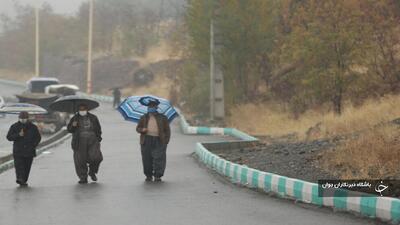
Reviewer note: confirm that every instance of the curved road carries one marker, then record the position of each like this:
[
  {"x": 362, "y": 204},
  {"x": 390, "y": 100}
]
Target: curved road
[{"x": 190, "y": 194}]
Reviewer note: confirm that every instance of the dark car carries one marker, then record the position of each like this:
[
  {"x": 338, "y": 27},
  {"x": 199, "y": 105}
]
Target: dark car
[
  {"x": 39, "y": 84},
  {"x": 52, "y": 121}
]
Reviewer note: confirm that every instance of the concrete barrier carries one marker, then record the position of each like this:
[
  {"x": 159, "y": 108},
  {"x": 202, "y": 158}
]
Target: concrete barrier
[{"x": 384, "y": 208}]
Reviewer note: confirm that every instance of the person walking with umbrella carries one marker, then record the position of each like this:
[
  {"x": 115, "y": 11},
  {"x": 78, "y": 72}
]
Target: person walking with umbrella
[
  {"x": 86, "y": 134},
  {"x": 155, "y": 134},
  {"x": 86, "y": 130},
  {"x": 26, "y": 138}
]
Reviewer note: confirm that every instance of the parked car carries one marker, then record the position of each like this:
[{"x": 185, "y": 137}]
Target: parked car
[
  {"x": 36, "y": 94},
  {"x": 39, "y": 84},
  {"x": 62, "y": 89}
]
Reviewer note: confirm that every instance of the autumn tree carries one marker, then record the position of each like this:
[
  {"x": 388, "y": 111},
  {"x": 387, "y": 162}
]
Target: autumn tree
[{"x": 327, "y": 37}]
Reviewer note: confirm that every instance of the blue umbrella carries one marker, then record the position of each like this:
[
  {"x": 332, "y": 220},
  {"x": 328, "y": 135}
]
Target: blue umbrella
[{"x": 134, "y": 107}]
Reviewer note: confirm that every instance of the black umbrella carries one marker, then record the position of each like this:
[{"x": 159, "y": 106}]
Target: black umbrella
[{"x": 71, "y": 103}]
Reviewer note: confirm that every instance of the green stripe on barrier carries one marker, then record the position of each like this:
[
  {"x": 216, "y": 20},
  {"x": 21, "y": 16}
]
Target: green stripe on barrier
[
  {"x": 203, "y": 130},
  {"x": 267, "y": 182},
  {"x": 254, "y": 178},
  {"x": 340, "y": 199},
  {"x": 243, "y": 175},
  {"x": 314, "y": 196},
  {"x": 282, "y": 185},
  {"x": 368, "y": 206},
  {"x": 298, "y": 189},
  {"x": 228, "y": 169},
  {"x": 228, "y": 131},
  {"x": 395, "y": 211}
]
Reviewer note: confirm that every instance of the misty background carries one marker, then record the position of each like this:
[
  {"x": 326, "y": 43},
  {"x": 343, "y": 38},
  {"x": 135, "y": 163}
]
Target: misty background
[
  {"x": 309, "y": 68},
  {"x": 59, "y": 6}
]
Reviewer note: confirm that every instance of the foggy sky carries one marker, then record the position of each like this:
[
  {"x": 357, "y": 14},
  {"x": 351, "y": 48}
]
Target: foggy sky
[{"x": 59, "y": 6}]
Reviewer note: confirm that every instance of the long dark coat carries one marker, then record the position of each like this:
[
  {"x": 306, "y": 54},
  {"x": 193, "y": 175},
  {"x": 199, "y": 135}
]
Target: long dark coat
[
  {"x": 75, "y": 130},
  {"x": 24, "y": 146}
]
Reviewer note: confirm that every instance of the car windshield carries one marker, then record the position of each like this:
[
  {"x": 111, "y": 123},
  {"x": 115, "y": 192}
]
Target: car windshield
[{"x": 39, "y": 86}]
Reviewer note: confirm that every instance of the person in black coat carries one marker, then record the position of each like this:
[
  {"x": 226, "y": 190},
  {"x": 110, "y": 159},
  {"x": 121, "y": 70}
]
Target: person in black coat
[
  {"x": 86, "y": 139},
  {"x": 117, "y": 97},
  {"x": 26, "y": 138}
]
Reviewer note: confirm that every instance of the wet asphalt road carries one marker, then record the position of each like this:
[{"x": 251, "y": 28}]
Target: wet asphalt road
[{"x": 189, "y": 195}]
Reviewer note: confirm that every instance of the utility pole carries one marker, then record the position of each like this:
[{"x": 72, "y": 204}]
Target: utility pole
[
  {"x": 37, "y": 42},
  {"x": 217, "y": 102},
  {"x": 90, "y": 45},
  {"x": 212, "y": 70}
]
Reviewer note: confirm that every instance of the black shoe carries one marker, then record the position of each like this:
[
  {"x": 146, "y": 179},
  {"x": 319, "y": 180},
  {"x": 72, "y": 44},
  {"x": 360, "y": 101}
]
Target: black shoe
[
  {"x": 93, "y": 177},
  {"x": 22, "y": 183},
  {"x": 157, "y": 179},
  {"x": 83, "y": 181},
  {"x": 149, "y": 179}
]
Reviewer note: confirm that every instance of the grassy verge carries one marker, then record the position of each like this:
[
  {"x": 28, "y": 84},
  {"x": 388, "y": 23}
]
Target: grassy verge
[
  {"x": 265, "y": 119},
  {"x": 371, "y": 151},
  {"x": 375, "y": 154}
]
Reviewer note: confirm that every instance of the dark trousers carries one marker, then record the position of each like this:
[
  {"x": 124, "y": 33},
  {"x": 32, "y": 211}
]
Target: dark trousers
[
  {"x": 154, "y": 156},
  {"x": 117, "y": 102},
  {"x": 22, "y": 168},
  {"x": 87, "y": 157}
]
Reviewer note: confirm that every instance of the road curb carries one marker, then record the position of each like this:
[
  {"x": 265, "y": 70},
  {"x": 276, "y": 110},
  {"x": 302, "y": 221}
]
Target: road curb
[{"x": 384, "y": 208}]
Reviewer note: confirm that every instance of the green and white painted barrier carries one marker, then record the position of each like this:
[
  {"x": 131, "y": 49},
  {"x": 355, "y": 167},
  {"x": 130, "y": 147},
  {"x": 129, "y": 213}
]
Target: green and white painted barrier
[
  {"x": 101, "y": 98},
  {"x": 384, "y": 208},
  {"x": 187, "y": 129}
]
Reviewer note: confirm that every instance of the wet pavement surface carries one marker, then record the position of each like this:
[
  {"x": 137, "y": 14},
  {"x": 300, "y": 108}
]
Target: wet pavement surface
[{"x": 189, "y": 194}]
